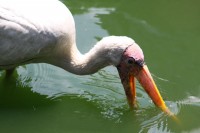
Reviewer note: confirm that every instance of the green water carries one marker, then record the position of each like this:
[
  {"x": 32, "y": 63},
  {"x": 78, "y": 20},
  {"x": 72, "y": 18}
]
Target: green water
[{"x": 45, "y": 99}]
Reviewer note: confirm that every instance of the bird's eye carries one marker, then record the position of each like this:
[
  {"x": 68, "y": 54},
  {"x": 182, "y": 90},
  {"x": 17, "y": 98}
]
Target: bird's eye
[{"x": 130, "y": 61}]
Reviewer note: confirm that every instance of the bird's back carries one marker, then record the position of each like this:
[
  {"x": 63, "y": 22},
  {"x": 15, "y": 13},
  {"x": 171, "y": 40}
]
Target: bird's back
[{"x": 31, "y": 30}]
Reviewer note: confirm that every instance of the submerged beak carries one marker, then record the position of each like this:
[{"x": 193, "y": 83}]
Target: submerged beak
[{"x": 145, "y": 79}]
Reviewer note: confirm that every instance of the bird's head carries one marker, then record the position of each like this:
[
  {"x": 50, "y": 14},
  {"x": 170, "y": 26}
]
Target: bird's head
[
  {"x": 131, "y": 67},
  {"x": 128, "y": 57}
]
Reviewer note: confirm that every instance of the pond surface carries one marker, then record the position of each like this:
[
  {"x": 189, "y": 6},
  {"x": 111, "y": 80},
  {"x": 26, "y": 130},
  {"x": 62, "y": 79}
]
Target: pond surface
[{"x": 45, "y": 99}]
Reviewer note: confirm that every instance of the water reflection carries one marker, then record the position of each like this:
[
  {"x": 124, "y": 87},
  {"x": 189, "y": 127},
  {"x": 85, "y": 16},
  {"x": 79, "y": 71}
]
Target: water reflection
[
  {"x": 190, "y": 100},
  {"x": 104, "y": 89},
  {"x": 15, "y": 95},
  {"x": 88, "y": 27}
]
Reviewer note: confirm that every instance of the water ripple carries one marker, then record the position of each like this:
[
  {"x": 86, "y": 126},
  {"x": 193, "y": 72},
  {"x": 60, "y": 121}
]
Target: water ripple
[
  {"x": 190, "y": 100},
  {"x": 102, "y": 88}
]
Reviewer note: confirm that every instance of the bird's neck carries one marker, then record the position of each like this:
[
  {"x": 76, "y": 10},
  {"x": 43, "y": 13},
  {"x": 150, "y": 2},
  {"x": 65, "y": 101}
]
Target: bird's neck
[
  {"x": 83, "y": 64},
  {"x": 104, "y": 53}
]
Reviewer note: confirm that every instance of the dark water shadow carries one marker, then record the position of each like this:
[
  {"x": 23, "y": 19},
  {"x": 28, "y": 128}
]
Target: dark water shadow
[{"x": 15, "y": 95}]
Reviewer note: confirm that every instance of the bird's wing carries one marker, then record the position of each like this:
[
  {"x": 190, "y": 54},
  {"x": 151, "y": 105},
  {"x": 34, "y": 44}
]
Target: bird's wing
[{"x": 22, "y": 39}]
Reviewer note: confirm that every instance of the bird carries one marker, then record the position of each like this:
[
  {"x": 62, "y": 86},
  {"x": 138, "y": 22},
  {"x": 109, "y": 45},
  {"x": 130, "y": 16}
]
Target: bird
[{"x": 43, "y": 31}]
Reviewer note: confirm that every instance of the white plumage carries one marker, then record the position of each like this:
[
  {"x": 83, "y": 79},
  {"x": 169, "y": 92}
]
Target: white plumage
[{"x": 43, "y": 31}]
